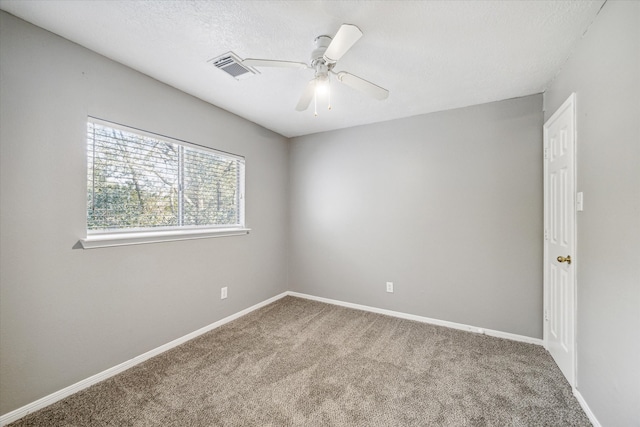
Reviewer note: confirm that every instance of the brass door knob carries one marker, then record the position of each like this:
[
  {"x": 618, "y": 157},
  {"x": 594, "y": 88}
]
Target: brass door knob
[{"x": 566, "y": 259}]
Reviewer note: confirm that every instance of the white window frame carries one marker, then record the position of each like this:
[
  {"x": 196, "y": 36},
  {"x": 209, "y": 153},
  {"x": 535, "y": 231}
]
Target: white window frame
[{"x": 122, "y": 237}]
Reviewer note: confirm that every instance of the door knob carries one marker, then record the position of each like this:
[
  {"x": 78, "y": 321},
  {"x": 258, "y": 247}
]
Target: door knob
[{"x": 566, "y": 259}]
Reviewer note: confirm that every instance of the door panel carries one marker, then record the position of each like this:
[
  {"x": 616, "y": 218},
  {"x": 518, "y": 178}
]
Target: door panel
[{"x": 559, "y": 274}]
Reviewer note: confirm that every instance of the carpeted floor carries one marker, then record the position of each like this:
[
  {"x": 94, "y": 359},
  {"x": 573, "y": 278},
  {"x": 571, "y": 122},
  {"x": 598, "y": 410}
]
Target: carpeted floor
[{"x": 303, "y": 363}]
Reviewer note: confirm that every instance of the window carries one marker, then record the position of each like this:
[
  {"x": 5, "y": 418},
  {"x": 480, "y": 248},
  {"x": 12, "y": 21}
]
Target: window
[{"x": 141, "y": 184}]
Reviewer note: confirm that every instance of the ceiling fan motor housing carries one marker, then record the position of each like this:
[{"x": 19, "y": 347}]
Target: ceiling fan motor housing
[{"x": 318, "y": 62}]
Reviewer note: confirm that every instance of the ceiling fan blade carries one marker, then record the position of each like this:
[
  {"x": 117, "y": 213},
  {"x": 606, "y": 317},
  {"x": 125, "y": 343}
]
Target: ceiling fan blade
[
  {"x": 272, "y": 63},
  {"x": 346, "y": 37},
  {"x": 307, "y": 96},
  {"x": 363, "y": 85}
]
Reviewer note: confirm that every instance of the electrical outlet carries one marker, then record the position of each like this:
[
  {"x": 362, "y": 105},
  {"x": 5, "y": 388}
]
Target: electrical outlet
[
  {"x": 390, "y": 287},
  {"x": 223, "y": 293}
]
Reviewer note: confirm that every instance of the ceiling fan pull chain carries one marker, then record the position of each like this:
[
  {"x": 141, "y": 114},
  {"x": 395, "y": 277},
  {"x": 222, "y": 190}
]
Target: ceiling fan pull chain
[
  {"x": 315, "y": 100},
  {"x": 328, "y": 92}
]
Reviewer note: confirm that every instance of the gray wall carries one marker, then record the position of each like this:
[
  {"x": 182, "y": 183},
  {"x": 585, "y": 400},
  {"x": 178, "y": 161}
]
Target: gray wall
[
  {"x": 67, "y": 314},
  {"x": 448, "y": 206},
  {"x": 604, "y": 72}
]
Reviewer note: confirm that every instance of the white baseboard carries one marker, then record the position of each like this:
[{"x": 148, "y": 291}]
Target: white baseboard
[
  {"x": 586, "y": 408},
  {"x": 74, "y": 388},
  {"x": 80, "y": 385},
  {"x": 453, "y": 325}
]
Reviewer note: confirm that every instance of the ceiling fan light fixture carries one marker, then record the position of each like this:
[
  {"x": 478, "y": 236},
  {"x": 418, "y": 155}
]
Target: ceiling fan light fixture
[
  {"x": 322, "y": 89},
  {"x": 322, "y": 85}
]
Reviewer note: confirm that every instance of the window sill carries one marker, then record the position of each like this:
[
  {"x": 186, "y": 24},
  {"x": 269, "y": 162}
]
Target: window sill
[{"x": 140, "y": 238}]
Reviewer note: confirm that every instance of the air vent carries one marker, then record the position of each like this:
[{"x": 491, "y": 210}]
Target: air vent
[{"x": 231, "y": 64}]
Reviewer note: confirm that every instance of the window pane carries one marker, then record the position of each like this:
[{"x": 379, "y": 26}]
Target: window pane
[
  {"x": 210, "y": 189},
  {"x": 137, "y": 181}
]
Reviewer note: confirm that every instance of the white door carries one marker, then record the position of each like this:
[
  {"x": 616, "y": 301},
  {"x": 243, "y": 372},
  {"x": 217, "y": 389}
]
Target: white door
[{"x": 559, "y": 237}]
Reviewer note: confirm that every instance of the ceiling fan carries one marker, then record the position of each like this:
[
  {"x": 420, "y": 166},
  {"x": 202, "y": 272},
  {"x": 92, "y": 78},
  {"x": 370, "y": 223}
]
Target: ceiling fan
[{"x": 323, "y": 59}]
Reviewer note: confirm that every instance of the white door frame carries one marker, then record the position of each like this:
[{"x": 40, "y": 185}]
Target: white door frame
[{"x": 570, "y": 103}]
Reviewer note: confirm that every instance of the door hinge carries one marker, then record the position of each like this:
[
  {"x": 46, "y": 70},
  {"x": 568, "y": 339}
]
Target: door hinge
[
  {"x": 546, "y": 315},
  {"x": 546, "y": 153},
  {"x": 546, "y": 234}
]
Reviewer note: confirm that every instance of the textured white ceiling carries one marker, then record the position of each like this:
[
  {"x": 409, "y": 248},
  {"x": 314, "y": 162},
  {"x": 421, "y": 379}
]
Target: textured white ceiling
[{"x": 431, "y": 55}]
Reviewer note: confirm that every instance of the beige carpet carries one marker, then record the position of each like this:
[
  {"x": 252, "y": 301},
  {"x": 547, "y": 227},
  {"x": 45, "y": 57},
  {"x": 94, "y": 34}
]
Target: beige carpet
[{"x": 303, "y": 363}]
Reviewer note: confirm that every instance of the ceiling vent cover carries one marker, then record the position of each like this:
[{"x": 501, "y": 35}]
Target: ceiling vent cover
[{"x": 231, "y": 64}]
